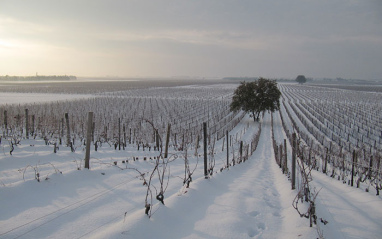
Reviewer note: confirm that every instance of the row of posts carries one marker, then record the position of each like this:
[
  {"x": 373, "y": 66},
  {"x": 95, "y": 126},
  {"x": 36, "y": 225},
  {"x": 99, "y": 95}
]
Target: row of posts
[
  {"x": 282, "y": 159},
  {"x": 18, "y": 118},
  {"x": 205, "y": 136},
  {"x": 294, "y": 157},
  {"x": 27, "y": 124},
  {"x": 89, "y": 134},
  {"x": 89, "y": 137}
]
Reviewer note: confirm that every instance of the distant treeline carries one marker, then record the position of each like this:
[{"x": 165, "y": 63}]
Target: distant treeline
[
  {"x": 241, "y": 78},
  {"x": 37, "y": 78},
  {"x": 254, "y": 79},
  {"x": 342, "y": 81}
]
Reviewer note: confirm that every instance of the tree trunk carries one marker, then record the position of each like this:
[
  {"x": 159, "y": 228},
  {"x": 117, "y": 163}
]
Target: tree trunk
[{"x": 256, "y": 116}]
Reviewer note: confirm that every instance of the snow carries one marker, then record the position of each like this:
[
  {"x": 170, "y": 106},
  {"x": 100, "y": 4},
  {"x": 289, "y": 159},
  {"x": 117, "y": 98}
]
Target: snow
[
  {"x": 249, "y": 200},
  {"x": 352, "y": 213},
  {"x": 23, "y": 98}
]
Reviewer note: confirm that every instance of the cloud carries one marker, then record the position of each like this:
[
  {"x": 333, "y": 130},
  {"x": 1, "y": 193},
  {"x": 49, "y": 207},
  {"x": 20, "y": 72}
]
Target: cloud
[
  {"x": 230, "y": 39},
  {"x": 13, "y": 26},
  {"x": 214, "y": 37}
]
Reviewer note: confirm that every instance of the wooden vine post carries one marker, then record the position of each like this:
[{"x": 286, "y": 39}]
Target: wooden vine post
[
  {"x": 129, "y": 135},
  {"x": 352, "y": 167},
  {"x": 6, "y": 123},
  {"x": 157, "y": 139},
  {"x": 196, "y": 145},
  {"x": 285, "y": 168},
  {"x": 93, "y": 129},
  {"x": 370, "y": 166},
  {"x": 205, "y": 149},
  {"x": 119, "y": 133},
  {"x": 182, "y": 147},
  {"x": 241, "y": 151},
  {"x": 26, "y": 124},
  {"x": 32, "y": 128},
  {"x": 227, "y": 149},
  {"x": 88, "y": 139},
  {"x": 167, "y": 140},
  {"x": 67, "y": 129},
  {"x": 326, "y": 161},
  {"x": 294, "y": 161},
  {"x": 62, "y": 128}
]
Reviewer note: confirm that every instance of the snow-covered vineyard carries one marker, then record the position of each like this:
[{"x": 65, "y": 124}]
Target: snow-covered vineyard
[{"x": 238, "y": 186}]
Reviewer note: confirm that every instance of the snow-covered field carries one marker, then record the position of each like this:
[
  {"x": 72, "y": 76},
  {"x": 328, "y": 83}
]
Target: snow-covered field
[
  {"x": 24, "y": 98},
  {"x": 252, "y": 199}
]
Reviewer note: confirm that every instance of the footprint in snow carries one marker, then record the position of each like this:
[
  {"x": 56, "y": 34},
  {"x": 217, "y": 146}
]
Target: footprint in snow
[
  {"x": 276, "y": 214},
  {"x": 269, "y": 204},
  {"x": 253, "y": 213},
  {"x": 252, "y": 232},
  {"x": 261, "y": 225}
]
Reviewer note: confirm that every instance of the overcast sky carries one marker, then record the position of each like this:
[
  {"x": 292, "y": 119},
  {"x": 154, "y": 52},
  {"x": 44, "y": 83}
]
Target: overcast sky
[{"x": 210, "y": 38}]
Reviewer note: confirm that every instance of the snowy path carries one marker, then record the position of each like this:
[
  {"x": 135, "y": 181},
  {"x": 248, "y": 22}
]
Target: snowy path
[{"x": 251, "y": 200}]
